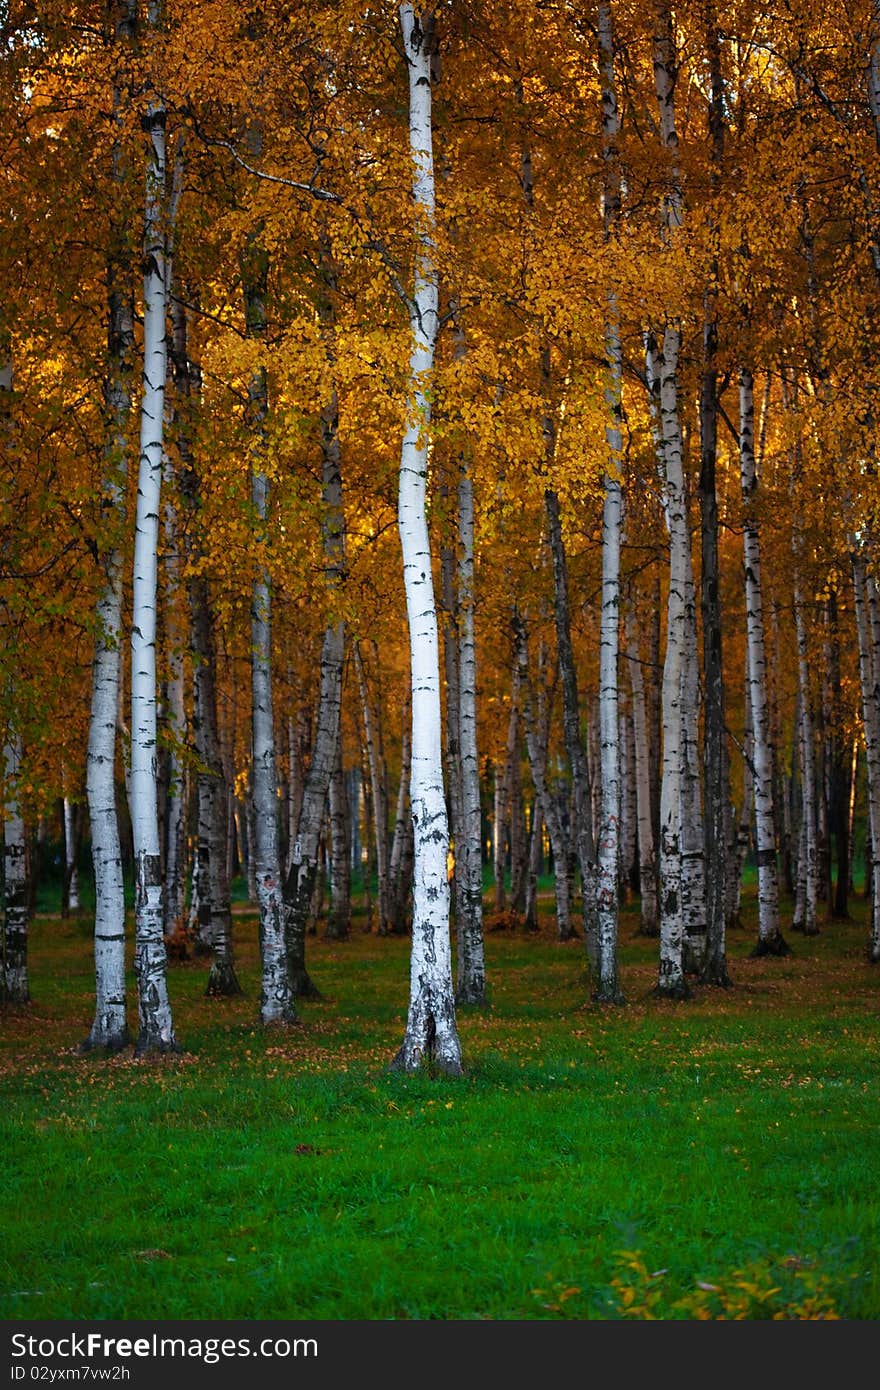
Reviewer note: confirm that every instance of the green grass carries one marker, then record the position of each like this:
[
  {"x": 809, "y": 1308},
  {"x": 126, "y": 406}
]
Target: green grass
[{"x": 591, "y": 1164}]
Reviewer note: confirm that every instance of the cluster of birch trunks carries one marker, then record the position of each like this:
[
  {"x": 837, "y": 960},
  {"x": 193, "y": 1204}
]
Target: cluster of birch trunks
[{"x": 639, "y": 790}]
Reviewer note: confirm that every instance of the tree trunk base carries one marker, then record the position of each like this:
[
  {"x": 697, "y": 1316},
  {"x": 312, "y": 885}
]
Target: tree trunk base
[
  {"x": 223, "y": 981},
  {"x": 772, "y": 946},
  {"x": 715, "y": 974},
  {"x": 303, "y": 986},
  {"x": 336, "y": 933},
  {"x": 412, "y": 1058},
  {"x": 289, "y": 1019},
  {"x": 694, "y": 955},
  {"x": 150, "y": 1044},
  {"x": 15, "y": 996},
  {"x": 102, "y": 1040},
  {"x": 873, "y": 955},
  {"x": 679, "y": 990},
  {"x": 610, "y": 993}
]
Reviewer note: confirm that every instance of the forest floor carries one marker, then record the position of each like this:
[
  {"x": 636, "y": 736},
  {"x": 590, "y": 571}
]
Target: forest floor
[{"x": 717, "y": 1158}]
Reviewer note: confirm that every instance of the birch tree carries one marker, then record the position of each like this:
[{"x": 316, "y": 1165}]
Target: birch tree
[
  {"x": 14, "y": 987},
  {"x": 156, "y": 1029},
  {"x": 607, "y": 877},
  {"x": 431, "y": 1035},
  {"x": 471, "y": 988},
  {"x": 671, "y": 980},
  {"x": 770, "y": 939}
]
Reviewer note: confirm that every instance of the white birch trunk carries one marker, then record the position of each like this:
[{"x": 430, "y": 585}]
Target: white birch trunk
[
  {"x": 808, "y": 858},
  {"x": 71, "y": 874},
  {"x": 671, "y": 977},
  {"x": 14, "y": 972},
  {"x": 608, "y": 846},
  {"x": 869, "y": 678},
  {"x": 156, "y": 1029},
  {"x": 276, "y": 999},
  {"x": 693, "y": 885},
  {"x": 471, "y": 961},
  {"x": 770, "y": 940},
  {"x": 109, "y": 1028},
  {"x": 431, "y": 1034},
  {"x": 607, "y": 987},
  {"x": 671, "y": 981}
]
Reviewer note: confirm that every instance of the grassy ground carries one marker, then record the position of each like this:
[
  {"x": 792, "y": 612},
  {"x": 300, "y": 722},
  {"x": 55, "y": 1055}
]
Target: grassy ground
[{"x": 717, "y": 1158}]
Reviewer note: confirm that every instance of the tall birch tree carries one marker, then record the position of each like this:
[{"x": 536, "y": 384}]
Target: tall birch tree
[
  {"x": 770, "y": 939},
  {"x": 431, "y": 1035},
  {"x": 14, "y": 987},
  {"x": 671, "y": 979},
  {"x": 607, "y": 876},
  {"x": 156, "y": 1029}
]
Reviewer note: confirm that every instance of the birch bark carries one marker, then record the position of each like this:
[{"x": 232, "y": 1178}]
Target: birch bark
[
  {"x": 809, "y": 872},
  {"x": 770, "y": 939},
  {"x": 471, "y": 985},
  {"x": 431, "y": 1034},
  {"x": 14, "y": 987},
  {"x": 663, "y": 374},
  {"x": 156, "y": 1029},
  {"x": 71, "y": 844},
  {"x": 607, "y": 864}
]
